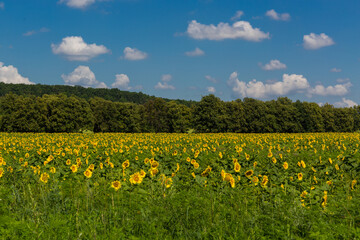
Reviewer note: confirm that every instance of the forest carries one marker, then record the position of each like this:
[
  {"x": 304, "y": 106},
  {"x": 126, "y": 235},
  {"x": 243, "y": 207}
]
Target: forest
[{"x": 42, "y": 110}]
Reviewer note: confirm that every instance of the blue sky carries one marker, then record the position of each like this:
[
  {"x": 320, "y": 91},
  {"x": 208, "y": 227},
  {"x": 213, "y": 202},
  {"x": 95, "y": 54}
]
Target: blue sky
[{"x": 301, "y": 49}]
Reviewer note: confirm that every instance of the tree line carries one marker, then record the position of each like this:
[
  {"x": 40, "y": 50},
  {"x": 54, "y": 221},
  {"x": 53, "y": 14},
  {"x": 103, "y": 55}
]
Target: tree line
[{"x": 62, "y": 113}]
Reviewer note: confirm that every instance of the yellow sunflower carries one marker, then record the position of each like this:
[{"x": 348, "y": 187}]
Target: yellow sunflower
[{"x": 116, "y": 185}]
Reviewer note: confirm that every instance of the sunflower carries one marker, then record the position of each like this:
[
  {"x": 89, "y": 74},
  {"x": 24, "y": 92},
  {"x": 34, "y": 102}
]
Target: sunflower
[
  {"x": 53, "y": 170},
  {"x": 136, "y": 178},
  {"x": 353, "y": 182},
  {"x": 1, "y": 172},
  {"x": 264, "y": 181},
  {"x": 116, "y": 185},
  {"x": 44, "y": 177},
  {"x": 237, "y": 167},
  {"x": 232, "y": 182},
  {"x": 249, "y": 173},
  {"x": 142, "y": 173},
  {"x": 92, "y": 167},
  {"x": 300, "y": 176},
  {"x": 88, "y": 173},
  {"x": 286, "y": 165},
  {"x": 154, "y": 164},
  {"x": 126, "y": 164},
  {"x": 196, "y": 165},
  {"x": 168, "y": 182},
  {"x": 74, "y": 168},
  {"x": 303, "y": 164},
  {"x": 274, "y": 160},
  {"x": 153, "y": 171},
  {"x": 68, "y": 162}
]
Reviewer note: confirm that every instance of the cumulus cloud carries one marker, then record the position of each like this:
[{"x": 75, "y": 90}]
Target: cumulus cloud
[
  {"x": 238, "y": 30},
  {"x": 83, "y": 76},
  {"x": 337, "y": 90},
  {"x": 166, "y": 77},
  {"x": 277, "y": 16},
  {"x": 164, "y": 85},
  {"x": 335, "y": 70},
  {"x": 211, "y": 89},
  {"x": 195, "y": 53},
  {"x": 290, "y": 83},
  {"x": 10, "y": 74},
  {"x": 237, "y": 15},
  {"x": 211, "y": 79},
  {"x": 274, "y": 65},
  {"x": 33, "y": 32},
  {"x": 122, "y": 82},
  {"x": 81, "y": 4},
  {"x": 345, "y": 103},
  {"x": 315, "y": 41},
  {"x": 75, "y": 49},
  {"x": 134, "y": 54}
]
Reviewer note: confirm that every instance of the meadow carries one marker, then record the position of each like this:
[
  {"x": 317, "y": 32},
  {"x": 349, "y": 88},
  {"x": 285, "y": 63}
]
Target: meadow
[{"x": 179, "y": 186}]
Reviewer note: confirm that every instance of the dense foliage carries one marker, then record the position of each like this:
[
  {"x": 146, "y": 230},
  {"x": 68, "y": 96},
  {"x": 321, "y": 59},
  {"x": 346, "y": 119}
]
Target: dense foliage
[
  {"x": 62, "y": 113},
  {"x": 179, "y": 186}
]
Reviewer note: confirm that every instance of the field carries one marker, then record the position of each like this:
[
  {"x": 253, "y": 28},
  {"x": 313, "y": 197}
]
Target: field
[{"x": 180, "y": 186}]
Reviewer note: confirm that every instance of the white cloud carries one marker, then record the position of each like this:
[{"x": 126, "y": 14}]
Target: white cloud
[
  {"x": 134, "y": 54},
  {"x": 83, "y": 76},
  {"x": 32, "y": 32},
  {"x": 237, "y": 15},
  {"x": 2, "y": 5},
  {"x": 290, "y": 83},
  {"x": 335, "y": 70},
  {"x": 345, "y": 103},
  {"x": 166, "y": 77},
  {"x": 277, "y": 16},
  {"x": 315, "y": 41},
  {"x": 343, "y": 80},
  {"x": 337, "y": 90},
  {"x": 122, "y": 82},
  {"x": 78, "y": 3},
  {"x": 274, "y": 65},
  {"x": 10, "y": 74},
  {"x": 195, "y": 53},
  {"x": 211, "y": 89},
  {"x": 164, "y": 85},
  {"x": 238, "y": 30},
  {"x": 75, "y": 49},
  {"x": 211, "y": 79}
]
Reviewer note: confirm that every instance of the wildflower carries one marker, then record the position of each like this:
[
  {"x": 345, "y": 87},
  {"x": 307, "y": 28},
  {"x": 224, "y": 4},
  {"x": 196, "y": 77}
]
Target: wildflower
[
  {"x": 68, "y": 162},
  {"x": 270, "y": 154},
  {"x": 274, "y": 160},
  {"x": 153, "y": 171},
  {"x": 116, "y": 185}
]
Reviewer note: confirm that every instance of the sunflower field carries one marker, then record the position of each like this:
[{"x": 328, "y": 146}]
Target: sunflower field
[{"x": 180, "y": 186}]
